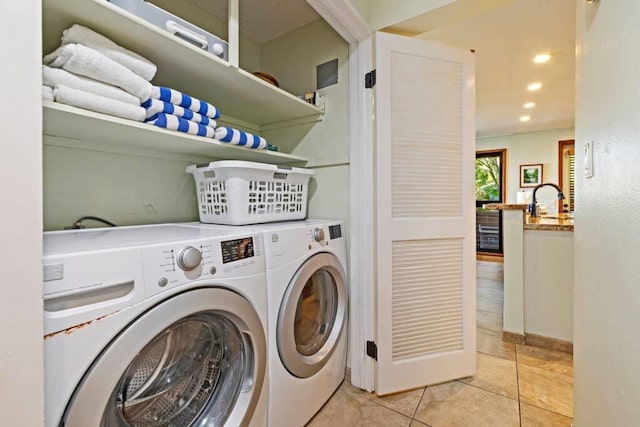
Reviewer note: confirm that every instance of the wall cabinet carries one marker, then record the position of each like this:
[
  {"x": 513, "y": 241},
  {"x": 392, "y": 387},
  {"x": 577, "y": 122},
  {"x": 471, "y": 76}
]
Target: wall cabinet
[{"x": 244, "y": 100}]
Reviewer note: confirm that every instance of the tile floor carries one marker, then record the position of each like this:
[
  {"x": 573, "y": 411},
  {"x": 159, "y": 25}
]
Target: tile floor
[{"x": 515, "y": 385}]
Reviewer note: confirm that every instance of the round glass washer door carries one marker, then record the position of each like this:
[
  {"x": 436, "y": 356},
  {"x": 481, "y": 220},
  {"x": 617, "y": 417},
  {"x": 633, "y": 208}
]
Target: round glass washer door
[
  {"x": 183, "y": 363},
  {"x": 312, "y": 315}
]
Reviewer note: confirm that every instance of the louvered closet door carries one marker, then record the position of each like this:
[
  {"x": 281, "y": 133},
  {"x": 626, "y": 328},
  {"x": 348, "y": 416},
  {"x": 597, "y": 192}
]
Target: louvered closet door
[{"x": 425, "y": 145}]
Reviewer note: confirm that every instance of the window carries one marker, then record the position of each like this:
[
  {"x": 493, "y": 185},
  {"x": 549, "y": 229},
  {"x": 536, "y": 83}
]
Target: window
[
  {"x": 567, "y": 174},
  {"x": 489, "y": 189}
]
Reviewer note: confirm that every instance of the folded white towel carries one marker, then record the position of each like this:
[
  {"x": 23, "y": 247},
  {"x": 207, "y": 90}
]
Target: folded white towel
[
  {"x": 58, "y": 76},
  {"x": 155, "y": 106},
  {"x": 97, "y": 103},
  {"x": 87, "y": 37},
  {"x": 171, "y": 122},
  {"x": 238, "y": 137},
  {"x": 87, "y": 62},
  {"x": 47, "y": 93},
  {"x": 173, "y": 96}
]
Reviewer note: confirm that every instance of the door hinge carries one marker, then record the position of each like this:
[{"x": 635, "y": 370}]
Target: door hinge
[
  {"x": 372, "y": 350},
  {"x": 370, "y": 79}
]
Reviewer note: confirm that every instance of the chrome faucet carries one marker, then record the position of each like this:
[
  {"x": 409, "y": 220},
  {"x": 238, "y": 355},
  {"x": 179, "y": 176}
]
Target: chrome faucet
[{"x": 532, "y": 205}]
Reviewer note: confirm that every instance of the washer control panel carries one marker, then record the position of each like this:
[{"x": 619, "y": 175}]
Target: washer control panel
[
  {"x": 173, "y": 264},
  {"x": 322, "y": 235},
  {"x": 283, "y": 246}
]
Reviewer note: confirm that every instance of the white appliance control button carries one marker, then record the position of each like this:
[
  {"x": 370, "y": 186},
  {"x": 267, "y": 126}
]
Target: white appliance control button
[
  {"x": 212, "y": 270},
  {"x": 189, "y": 258},
  {"x": 162, "y": 282},
  {"x": 318, "y": 234}
]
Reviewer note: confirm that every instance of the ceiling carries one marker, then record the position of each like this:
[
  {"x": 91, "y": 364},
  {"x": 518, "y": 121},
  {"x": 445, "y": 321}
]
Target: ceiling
[
  {"x": 505, "y": 41},
  {"x": 505, "y": 35}
]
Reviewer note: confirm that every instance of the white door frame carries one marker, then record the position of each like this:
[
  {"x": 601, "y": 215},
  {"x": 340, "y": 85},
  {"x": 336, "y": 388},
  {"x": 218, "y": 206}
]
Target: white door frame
[
  {"x": 362, "y": 216},
  {"x": 348, "y": 22}
]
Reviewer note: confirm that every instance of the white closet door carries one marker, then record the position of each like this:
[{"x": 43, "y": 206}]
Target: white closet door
[{"x": 425, "y": 145}]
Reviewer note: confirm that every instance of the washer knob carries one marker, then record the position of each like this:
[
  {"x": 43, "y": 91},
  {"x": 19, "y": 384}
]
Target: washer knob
[
  {"x": 318, "y": 234},
  {"x": 189, "y": 258}
]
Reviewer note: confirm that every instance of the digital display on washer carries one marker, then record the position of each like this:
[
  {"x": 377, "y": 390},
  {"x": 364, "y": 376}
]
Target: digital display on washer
[
  {"x": 335, "y": 231},
  {"x": 237, "y": 249}
]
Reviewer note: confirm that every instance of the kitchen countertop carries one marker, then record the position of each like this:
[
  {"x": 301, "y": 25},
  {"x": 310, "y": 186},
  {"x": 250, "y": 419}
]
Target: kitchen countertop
[
  {"x": 558, "y": 222},
  {"x": 505, "y": 206},
  {"x": 552, "y": 223}
]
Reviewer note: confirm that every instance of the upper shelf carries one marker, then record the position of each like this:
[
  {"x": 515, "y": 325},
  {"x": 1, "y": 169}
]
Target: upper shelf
[
  {"x": 86, "y": 129},
  {"x": 182, "y": 66}
]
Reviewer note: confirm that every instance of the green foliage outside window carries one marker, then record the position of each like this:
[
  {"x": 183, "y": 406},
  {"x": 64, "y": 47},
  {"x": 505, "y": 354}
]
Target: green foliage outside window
[{"x": 487, "y": 178}]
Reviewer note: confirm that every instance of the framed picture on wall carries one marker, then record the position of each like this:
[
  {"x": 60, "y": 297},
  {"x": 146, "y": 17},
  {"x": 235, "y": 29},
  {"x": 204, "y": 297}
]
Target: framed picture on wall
[{"x": 530, "y": 175}]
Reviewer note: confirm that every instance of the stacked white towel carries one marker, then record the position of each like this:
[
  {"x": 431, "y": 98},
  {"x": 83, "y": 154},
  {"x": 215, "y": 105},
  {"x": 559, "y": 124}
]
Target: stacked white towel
[
  {"x": 57, "y": 76},
  {"x": 87, "y": 37},
  {"x": 92, "y": 72},
  {"x": 47, "y": 93},
  {"x": 84, "y": 61},
  {"x": 238, "y": 137},
  {"x": 100, "y": 104}
]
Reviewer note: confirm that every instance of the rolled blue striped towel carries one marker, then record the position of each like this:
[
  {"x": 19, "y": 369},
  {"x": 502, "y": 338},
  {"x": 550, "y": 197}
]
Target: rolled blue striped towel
[
  {"x": 238, "y": 137},
  {"x": 173, "y": 96},
  {"x": 171, "y": 122},
  {"x": 155, "y": 106}
]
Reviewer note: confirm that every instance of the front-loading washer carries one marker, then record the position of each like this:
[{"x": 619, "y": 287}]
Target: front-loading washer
[
  {"x": 307, "y": 292},
  {"x": 155, "y": 326}
]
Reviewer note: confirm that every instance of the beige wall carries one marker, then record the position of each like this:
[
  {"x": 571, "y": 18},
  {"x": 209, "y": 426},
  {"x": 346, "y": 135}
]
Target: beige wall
[
  {"x": 21, "y": 344},
  {"x": 364, "y": 8},
  {"x": 122, "y": 188},
  {"x": 528, "y": 148},
  {"x": 607, "y": 243},
  {"x": 548, "y": 283},
  {"x": 384, "y": 13},
  {"x": 326, "y": 144}
]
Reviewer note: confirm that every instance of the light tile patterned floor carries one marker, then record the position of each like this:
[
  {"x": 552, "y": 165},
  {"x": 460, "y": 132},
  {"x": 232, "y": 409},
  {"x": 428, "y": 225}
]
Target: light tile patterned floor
[{"x": 515, "y": 385}]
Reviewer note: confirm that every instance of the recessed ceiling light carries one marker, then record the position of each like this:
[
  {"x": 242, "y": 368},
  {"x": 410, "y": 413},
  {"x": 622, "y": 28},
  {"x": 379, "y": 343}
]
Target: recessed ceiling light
[
  {"x": 541, "y": 58},
  {"x": 534, "y": 86},
  {"x": 529, "y": 105},
  {"x": 525, "y": 118}
]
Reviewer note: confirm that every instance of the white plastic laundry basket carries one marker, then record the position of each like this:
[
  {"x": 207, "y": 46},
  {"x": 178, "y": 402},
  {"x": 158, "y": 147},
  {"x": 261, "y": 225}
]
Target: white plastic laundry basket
[{"x": 238, "y": 192}]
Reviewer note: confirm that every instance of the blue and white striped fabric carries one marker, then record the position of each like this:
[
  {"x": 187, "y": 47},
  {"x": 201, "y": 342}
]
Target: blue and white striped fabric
[
  {"x": 155, "y": 106},
  {"x": 182, "y": 99},
  {"x": 238, "y": 137},
  {"x": 168, "y": 121}
]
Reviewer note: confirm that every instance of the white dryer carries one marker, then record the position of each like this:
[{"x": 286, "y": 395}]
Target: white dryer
[
  {"x": 307, "y": 292},
  {"x": 155, "y": 326}
]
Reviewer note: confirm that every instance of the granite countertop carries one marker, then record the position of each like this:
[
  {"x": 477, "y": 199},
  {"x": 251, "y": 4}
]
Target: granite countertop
[
  {"x": 506, "y": 206},
  {"x": 553, "y": 223},
  {"x": 558, "y": 222}
]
